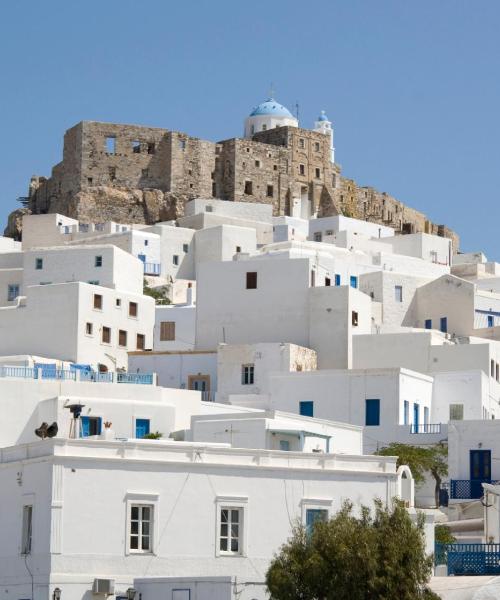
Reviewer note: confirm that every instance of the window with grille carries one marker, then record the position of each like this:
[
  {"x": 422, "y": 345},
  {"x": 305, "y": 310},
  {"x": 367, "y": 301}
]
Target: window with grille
[
  {"x": 141, "y": 524},
  {"x": 456, "y": 412},
  {"x": 247, "y": 374},
  {"x": 231, "y": 524},
  {"x": 167, "y": 331}
]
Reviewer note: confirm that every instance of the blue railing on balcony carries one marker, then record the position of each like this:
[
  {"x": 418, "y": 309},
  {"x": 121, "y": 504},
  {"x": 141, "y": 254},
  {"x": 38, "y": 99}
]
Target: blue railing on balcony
[
  {"x": 95, "y": 376},
  {"x": 152, "y": 268},
  {"x": 426, "y": 428},
  {"x": 468, "y": 489},
  {"x": 469, "y": 559},
  {"x": 75, "y": 375},
  {"x": 141, "y": 378}
]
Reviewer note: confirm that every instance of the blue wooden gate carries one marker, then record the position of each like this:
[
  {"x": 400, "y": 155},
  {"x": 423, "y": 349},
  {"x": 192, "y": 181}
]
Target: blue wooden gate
[{"x": 469, "y": 559}]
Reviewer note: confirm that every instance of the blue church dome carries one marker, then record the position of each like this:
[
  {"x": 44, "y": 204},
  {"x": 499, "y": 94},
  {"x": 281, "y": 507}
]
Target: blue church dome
[
  {"x": 323, "y": 117},
  {"x": 271, "y": 107}
]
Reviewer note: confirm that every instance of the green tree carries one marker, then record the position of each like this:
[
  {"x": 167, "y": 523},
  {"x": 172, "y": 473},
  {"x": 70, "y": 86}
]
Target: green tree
[
  {"x": 443, "y": 535},
  {"x": 421, "y": 460},
  {"x": 378, "y": 555},
  {"x": 159, "y": 294}
]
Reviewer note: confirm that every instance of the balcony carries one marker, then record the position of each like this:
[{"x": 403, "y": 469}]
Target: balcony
[
  {"x": 152, "y": 268},
  {"x": 49, "y": 373},
  {"x": 468, "y": 489},
  {"x": 425, "y": 428}
]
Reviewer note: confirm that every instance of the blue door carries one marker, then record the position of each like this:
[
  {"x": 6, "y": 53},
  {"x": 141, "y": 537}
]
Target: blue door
[
  {"x": 416, "y": 416},
  {"x": 306, "y": 408},
  {"x": 141, "y": 428},
  {"x": 372, "y": 413},
  {"x": 480, "y": 471},
  {"x": 443, "y": 325}
]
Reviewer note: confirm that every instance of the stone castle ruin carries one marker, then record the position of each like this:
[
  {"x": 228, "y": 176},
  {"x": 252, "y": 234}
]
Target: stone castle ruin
[{"x": 130, "y": 173}]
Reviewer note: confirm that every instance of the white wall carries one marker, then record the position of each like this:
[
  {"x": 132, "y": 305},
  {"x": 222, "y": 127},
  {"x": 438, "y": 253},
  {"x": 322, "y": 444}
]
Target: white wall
[
  {"x": 464, "y": 436},
  {"x": 163, "y": 474},
  {"x": 175, "y": 368},
  {"x": 184, "y": 317}
]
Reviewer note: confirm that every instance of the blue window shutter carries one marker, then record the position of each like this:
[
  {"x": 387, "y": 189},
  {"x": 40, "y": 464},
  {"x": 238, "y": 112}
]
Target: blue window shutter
[
  {"x": 490, "y": 320},
  {"x": 406, "y": 412},
  {"x": 141, "y": 428},
  {"x": 99, "y": 425},
  {"x": 372, "y": 412},
  {"x": 337, "y": 279},
  {"x": 353, "y": 281},
  {"x": 428, "y": 323},
  {"x": 307, "y": 408},
  {"x": 85, "y": 426},
  {"x": 444, "y": 324}
]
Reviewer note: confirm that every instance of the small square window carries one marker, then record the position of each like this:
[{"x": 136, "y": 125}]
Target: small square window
[
  {"x": 175, "y": 259},
  {"x": 317, "y": 173},
  {"x": 98, "y": 261},
  {"x": 251, "y": 280},
  {"x": 145, "y": 172},
  {"x": 185, "y": 248},
  {"x": 238, "y": 249},
  {"x": 140, "y": 341},
  {"x": 167, "y": 331},
  {"x": 353, "y": 281},
  {"x": 372, "y": 416},
  {"x": 354, "y": 318},
  {"x": 317, "y": 146},
  {"x": 136, "y": 147},
  {"x": 39, "y": 264},
  {"x": 302, "y": 169},
  {"x": 257, "y": 163},
  {"x": 270, "y": 191},
  {"x": 89, "y": 328},
  {"x": 306, "y": 408},
  {"x": 132, "y": 309},
  {"x": 302, "y": 143},
  {"x": 118, "y": 302},
  {"x": 398, "y": 293},
  {"x": 98, "y": 301},
  {"x": 328, "y": 282},
  {"x": 248, "y": 188},
  {"x": 247, "y": 374},
  {"x": 151, "y": 148},
  {"x": 146, "y": 242}
]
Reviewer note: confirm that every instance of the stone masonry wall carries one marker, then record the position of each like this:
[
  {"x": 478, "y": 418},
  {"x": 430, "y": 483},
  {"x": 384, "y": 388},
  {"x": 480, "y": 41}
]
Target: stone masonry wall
[{"x": 131, "y": 173}]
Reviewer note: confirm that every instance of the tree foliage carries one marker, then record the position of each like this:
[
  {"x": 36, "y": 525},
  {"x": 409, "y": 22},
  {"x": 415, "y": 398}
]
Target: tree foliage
[
  {"x": 443, "y": 535},
  {"x": 421, "y": 460},
  {"x": 378, "y": 555},
  {"x": 159, "y": 294}
]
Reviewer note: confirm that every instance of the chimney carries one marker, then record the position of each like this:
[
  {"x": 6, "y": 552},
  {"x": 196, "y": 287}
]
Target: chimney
[{"x": 189, "y": 294}]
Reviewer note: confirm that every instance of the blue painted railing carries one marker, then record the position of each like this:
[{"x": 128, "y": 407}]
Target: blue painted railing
[
  {"x": 152, "y": 268},
  {"x": 426, "y": 428},
  {"x": 469, "y": 559},
  {"x": 141, "y": 378},
  {"x": 468, "y": 489},
  {"x": 73, "y": 375}
]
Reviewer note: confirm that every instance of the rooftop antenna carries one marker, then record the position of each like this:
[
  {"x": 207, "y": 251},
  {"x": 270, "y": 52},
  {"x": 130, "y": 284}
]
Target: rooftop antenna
[{"x": 297, "y": 111}]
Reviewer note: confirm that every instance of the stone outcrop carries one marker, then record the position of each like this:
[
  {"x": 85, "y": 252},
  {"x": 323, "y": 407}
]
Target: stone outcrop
[{"x": 15, "y": 223}]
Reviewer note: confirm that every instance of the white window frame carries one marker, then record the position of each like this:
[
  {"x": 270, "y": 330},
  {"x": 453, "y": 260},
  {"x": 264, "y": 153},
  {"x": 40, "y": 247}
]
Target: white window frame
[
  {"x": 236, "y": 503},
  {"x": 150, "y": 499}
]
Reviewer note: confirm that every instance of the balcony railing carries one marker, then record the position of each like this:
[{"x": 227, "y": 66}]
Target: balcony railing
[
  {"x": 208, "y": 396},
  {"x": 152, "y": 268},
  {"x": 468, "y": 489},
  {"x": 426, "y": 428},
  {"x": 469, "y": 559},
  {"x": 75, "y": 375}
]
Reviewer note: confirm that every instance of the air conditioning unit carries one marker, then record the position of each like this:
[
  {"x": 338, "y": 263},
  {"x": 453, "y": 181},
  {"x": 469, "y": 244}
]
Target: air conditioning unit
[{"x": 103, "y": 586}]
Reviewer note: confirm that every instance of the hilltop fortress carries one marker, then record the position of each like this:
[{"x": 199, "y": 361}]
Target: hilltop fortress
[{"x": 130, "y": 173}]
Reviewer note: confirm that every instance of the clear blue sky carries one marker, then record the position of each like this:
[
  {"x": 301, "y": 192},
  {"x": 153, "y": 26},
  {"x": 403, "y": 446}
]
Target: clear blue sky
[{"x": 413, "y": 88}]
